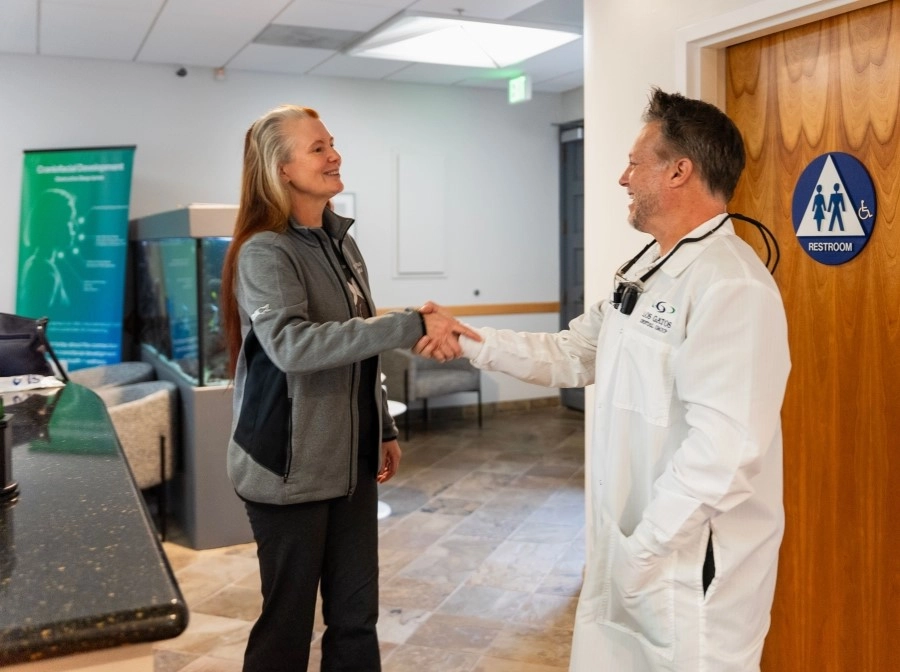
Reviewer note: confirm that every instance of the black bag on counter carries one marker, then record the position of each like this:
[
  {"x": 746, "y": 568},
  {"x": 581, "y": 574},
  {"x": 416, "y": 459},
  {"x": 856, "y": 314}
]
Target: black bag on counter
[{"x": 24, "y": 347}]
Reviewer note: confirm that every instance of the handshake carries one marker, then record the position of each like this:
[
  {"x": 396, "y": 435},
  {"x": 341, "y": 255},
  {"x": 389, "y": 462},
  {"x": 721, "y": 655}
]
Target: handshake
[{"x": 442, "y": 332}]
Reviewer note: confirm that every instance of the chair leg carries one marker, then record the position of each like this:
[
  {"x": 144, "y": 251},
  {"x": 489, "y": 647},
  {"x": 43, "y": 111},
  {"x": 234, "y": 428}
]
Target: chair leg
[
  {"x": 406, "y": 402},
  {"x": 162, "y": 497},
  {"x": 479, "y": 407},
  {"x": 425, "y": 413}
]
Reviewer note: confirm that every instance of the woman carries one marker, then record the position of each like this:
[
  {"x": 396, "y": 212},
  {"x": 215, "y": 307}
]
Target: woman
[{"x": 312, "y": 436}]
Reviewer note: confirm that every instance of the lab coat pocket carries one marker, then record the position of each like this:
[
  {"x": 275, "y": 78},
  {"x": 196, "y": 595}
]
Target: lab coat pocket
[
  {"x": 645, "y": 379},
  {"x": 642, "y": 597}
]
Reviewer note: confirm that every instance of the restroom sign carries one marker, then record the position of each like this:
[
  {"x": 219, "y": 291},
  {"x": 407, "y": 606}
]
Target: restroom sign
[{"x": 834, "y": 208}]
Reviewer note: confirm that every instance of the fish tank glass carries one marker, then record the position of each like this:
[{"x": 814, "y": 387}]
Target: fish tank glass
[{"x": 177, "y": 289}]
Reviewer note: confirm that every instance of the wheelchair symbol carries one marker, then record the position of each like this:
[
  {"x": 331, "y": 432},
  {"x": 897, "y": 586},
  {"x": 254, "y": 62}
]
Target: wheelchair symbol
[{"x": 863, "y": 212}]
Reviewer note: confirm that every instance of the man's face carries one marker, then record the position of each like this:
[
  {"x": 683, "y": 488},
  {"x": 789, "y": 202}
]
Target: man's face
[{"x": 644, "y": 180}]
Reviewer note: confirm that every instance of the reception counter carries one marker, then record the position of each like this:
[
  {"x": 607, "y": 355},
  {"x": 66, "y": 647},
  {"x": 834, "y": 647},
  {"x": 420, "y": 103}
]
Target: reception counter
[{"x": 81, "y": 568}]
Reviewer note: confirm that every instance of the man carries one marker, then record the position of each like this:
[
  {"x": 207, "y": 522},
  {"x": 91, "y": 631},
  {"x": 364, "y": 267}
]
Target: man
[{"x": 689, "y": 358}]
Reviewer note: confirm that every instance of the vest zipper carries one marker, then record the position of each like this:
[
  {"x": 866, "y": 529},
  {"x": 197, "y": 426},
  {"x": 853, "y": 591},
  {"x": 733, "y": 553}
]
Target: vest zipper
[
  {"x": 290, "y": 451},
  {"x": 351, "y": 308}
]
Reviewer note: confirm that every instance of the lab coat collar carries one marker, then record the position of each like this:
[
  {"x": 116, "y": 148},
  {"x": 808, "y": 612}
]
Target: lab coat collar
[{"x": 685, "y": 255}]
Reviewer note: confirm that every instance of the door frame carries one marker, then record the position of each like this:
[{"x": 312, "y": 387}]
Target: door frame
[{"x": 701, "y": 73}]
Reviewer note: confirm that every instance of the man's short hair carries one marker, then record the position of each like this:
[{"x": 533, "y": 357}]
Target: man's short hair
[{"x": 701, "y": 132}]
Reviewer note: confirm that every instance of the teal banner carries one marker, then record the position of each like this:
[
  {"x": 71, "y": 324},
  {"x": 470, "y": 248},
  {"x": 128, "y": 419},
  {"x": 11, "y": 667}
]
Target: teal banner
[{"x": 73, "y": 246}]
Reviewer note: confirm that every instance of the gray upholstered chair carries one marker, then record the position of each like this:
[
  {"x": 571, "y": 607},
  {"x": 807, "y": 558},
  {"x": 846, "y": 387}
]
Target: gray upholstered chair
[
  {"x": 144, "y": 417},
  {"x": 113, "y": 375},
  {"x": 409, "y": 377}
]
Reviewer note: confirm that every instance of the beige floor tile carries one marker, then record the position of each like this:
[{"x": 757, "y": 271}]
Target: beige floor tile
[
  {"x": 396, "y": 624},
  {"x": 535, "y": 645},
  {"x": 487, "y": 664},
  {"x": 392, "y": 560},
  {"x": 563, "y": 585},
  {"x": 480, "y": 486},
  {"x": 451, "y": 560},
  {"x": 222, "y": 568},
  {"x": 480, "y": 562},
  {"x": 401, "y": 591},
  {"x": 171, "y": 661},
  {"x": 487, "y": 602},
  {"x": 542, "y": 532},
  {"x": 206, "y": 633},
  {"x": 212, "y": 664},
  {"x": 455, "y": 633},
  {"x": 419, "y": 659},
  {"x": 417, "y": 530},
  {"x": 518, "y": 565},
  {"x": 548, "y": 611},
  {"x": 232, "y": 602},
  {"x": 431, "y": 481}
]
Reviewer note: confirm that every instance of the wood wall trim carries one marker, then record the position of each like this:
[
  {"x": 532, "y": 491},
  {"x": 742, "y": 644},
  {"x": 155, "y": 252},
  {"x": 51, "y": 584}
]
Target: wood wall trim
[{"x": 494, "y": 309}]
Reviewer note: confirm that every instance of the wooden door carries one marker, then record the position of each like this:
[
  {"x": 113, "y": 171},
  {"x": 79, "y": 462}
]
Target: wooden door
[{"x": 832, "y": 86}]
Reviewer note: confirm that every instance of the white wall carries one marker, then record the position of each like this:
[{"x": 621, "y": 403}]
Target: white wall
[
  {"x": 629, "y": 47},
  {"x": 573, "y": 105},
  {"x": 501, "y": 178}
]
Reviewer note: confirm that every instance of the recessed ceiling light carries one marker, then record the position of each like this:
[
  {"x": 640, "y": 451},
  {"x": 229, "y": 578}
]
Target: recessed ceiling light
[{"x": 455, "y": 40}]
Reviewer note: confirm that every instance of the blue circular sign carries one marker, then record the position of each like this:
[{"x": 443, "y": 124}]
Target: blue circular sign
[{"x": 834, "y": 208}]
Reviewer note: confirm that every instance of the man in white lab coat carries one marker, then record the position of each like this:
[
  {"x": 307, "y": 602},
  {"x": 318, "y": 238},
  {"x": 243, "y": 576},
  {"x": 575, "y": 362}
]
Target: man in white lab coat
[{"x": 689, "y": 358}]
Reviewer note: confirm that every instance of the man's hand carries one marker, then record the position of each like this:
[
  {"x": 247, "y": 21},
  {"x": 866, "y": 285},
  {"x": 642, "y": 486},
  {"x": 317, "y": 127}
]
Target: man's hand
[{"x": 442, "y": 332}]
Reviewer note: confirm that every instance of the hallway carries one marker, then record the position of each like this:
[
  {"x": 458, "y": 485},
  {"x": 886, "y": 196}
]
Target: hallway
[{"x": 481, "y": 558}]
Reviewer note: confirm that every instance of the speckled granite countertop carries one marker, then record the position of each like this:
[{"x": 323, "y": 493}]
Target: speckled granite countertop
[{"x": 81, "y": 568}]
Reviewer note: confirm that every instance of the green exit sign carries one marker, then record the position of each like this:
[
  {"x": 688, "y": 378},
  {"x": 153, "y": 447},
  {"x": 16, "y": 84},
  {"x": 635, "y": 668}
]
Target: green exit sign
[{"x": 519, "y": 89}]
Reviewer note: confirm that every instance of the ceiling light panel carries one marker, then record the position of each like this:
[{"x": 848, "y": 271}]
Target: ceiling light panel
[
  {"x": 429, "y": 38},
  {"x": 473, "y": 9}
]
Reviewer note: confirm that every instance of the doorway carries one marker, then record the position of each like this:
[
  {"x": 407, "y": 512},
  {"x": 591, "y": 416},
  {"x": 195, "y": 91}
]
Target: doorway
[{"x": 571, "y": 237}]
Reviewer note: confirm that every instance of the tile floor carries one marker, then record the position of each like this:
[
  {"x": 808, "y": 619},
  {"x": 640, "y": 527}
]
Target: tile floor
[{"x": 481, "y": 559}]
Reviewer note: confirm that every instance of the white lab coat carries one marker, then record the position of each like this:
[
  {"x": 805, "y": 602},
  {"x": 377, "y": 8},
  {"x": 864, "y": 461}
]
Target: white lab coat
[{"x": 686, "y": 443}]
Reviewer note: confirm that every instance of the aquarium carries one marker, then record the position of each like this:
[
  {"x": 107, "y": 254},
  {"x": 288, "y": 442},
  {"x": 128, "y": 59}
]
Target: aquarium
[{"x": 178, "y": 259}]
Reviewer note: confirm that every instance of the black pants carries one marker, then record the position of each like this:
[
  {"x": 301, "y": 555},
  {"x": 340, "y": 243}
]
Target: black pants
[{"x": 297, "y": 545}]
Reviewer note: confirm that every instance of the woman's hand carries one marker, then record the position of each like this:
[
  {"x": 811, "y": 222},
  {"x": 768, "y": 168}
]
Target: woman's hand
[
  {"x": 390, "y": 460},
  {"x": 441, "y": 340}
]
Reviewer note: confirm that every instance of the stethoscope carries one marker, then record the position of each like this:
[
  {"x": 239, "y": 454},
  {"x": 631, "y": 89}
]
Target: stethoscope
[{"x": 626, "y": 292}]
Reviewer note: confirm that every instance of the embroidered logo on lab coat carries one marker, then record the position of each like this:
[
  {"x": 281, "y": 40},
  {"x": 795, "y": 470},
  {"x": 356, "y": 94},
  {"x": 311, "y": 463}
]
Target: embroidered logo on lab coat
[{"x": 658, "y": 316}]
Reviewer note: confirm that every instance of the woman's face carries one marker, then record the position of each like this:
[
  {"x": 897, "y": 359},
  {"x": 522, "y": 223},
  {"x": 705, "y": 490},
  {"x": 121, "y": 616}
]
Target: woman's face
[{"x": 315, "y": 166}]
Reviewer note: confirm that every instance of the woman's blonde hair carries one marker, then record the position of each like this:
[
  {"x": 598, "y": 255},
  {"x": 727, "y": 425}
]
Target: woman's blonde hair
[{"x": 265, "y": 204}]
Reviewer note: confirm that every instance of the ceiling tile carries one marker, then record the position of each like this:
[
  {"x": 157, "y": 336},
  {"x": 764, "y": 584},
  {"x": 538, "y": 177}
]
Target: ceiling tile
[
  {"x": 330, "y": 14},
  {"x": 97, "y": 29},
  {"x": 430, "y": 73},
  {"x": 567, "y": 58},
  {"x": 560, "y": 12},
  {"x": 214, "y": 33},
  {"x": 226, "y": 26},
  {"x": 18, "y": 26},
  {"x": 341, "y": 65},
  {"x": 560, "y": 84},
  {"x": 287, "y": 60}
]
